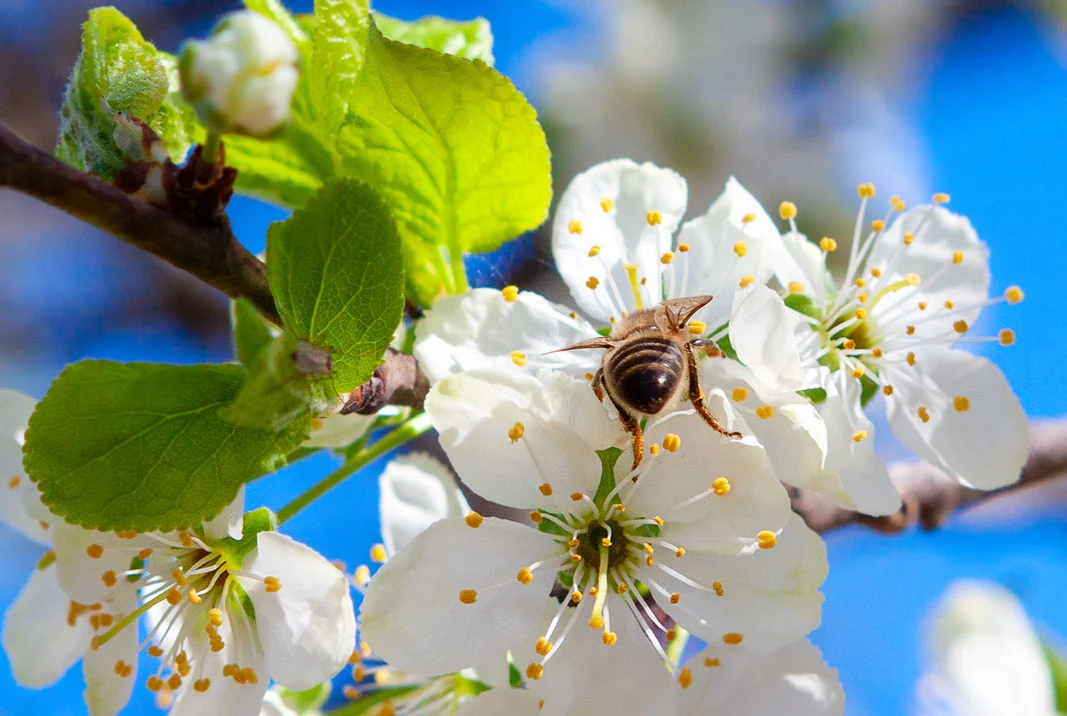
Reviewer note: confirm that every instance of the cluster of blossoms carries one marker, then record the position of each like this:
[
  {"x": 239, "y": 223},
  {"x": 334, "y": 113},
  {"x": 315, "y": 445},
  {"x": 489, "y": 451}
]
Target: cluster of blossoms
[{"x": 619, "y": 560}]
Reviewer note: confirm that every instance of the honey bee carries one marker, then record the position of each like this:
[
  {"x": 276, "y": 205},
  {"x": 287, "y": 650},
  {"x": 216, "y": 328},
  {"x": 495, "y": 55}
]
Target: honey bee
[{"x": 651, "y": 357}]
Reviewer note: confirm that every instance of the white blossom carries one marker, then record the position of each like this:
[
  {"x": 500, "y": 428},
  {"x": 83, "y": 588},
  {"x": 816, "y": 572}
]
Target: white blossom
[
  {"x": 242, "y": 78},
  {"x": 909, "y": 297},
  {"x": 713, "y": 539}
]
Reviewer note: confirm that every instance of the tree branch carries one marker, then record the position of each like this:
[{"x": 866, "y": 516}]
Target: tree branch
[
  {"x": 930, "y": 496},
  {"x": 206, "y": 250}
]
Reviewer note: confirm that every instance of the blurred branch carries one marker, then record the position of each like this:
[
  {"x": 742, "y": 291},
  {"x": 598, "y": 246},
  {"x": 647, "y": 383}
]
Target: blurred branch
[
  {"x": 207, "y": 250},
  {"x": 930, "y": 496}
]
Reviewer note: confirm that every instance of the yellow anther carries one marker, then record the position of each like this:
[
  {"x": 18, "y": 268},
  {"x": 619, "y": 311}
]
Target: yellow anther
[
  {"x": 362, "y": 575},
  {"x": 593, "y": 591},
  {"x": 592, "y": 283},
  {"x": 95, "y": 551},
  {"x": 671, "y": 634},
  {"x": 913, "y": 279},
  {"x": 941, "y": 198},
  {"x": 534, "y": 671},
  {"x": 174, "y": 682},
  {"x": 671, "y": 442},
  {"x": 378, "y": 554},
  {"x": 474, "y": 520},
  {"x": 658, "y": 520},
  {"x": 525, "y": 576},
  {"x": 911, "y": 358},
  {"x": 123, "y": 669},
  {"x": 849, "y": 345},
  {"x": 577, "y": 496},
  {"x": 957, "y": 257},
  {"x": 859, "y": 436},
  {"x": 249, "y": 675},
  {"x": 827, "y": 244},
  {"x": 510, "y": 293},
  {"x": 609, "y": 638},
  {"x": 767, "y": 539},
  {"x": 202, "y": 685},
  {"x": 685, "y": 677},
  {"x": 877, "y": 225},
  {"x": 594, "y": 251},
  {"x": 739, "y": 394},
  {"x": 144, "y": 553},
  {"x": 740, "y": 249},
  {"x": 358, "y": 674},
  {"x": 887, "y": 390},
  {"x": 588, "y": 376},
  {"x": 720, "y": 485},
  {"x": 195, "y": 598},
  {"x": 653, "y": 449},
  {"x": 860, "y": 283},
  {"x": 179, "y": 578},
  {"x": 922, "y": 305},
  {"x": 960, "y": 326},
  {"x": 648, "y": 548},
  {"x": 155, "y": 652},
  {"x": 605, "y": 542},
  {"x": 215, "y": 616},
  {"x": 607, "y": 204},
  {"x": 596, "y": 622},
  {"x": 717, "y": 588},
  {"x": 765, "y": 412},
  {"x": 795, "y": 287},
  {"x": 861, "y": 314},
  {"x": 468, "y": 596},
  {"x": 14, "y": 482},
  {"x": 619, "y": 507},
  {"x": 667, "y": 257},
  {"x": 924, "y": 414},
  {"x": 748, "y": 218},
  {"x": 350, "y": 692},
  {"x": 961, "y": 403},
  {"x": 109, "y": 579},
  {"x": 648, "y": 560},
  {"x": 746, "y": 281},
  {"x": 1013, "y": 294},
  {"x": 697, "y": 328},
  {"x": 680, "y": 552},
  {"x": 154, "y": 684},
  {"x": 575, "y": 227},
  {"x": 518, "y": 358},
  {"x": 576, "y": 597},
  {"x": 866, "y": 191},
  {"x": 543, "y": 646},
  {"x": 516, "y": 432},
  {"x": 897, "y": 203},
  {"x": 876, "y": 272},
  {"x": 186, "y": 539},
  {"x": 858, "y": 372},
  {"x": 862, "y": 298},
  {"x": 546, "y": 489},
  {"x": 787, "y": 210},
  {"x": 654, "y": 218},
  {"x": 909, "y": 237},
  {"x": 535, "y": 516},
  {"x": 1007, "y": 337},
  {"x": 622, "y": 588},
  {"x": 683, "y": 248},
  {"x": 675, "y": 597},
  {"x": 732, "y": 638}
]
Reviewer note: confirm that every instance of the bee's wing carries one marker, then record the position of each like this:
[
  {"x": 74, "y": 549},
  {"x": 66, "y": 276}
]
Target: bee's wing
[
  {"x": 600, "y": 342},
  {"x": 673, "y": 314}
]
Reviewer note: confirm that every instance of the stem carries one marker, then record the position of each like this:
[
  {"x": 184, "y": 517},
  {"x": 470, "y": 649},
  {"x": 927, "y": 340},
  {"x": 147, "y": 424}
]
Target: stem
[
  {"x": 459, "y": 271},
  {"x": 410, "y": 430},
  {"x": 211, "y": 147}
]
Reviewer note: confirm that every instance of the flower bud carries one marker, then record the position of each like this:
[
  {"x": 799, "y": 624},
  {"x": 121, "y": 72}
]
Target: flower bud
[{"x": 242, "y": 78}]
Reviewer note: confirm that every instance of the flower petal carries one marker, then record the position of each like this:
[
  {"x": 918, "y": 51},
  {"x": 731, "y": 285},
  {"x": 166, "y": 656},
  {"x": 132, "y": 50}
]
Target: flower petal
[
  {"x": 769, "y": 596},
  {"x": 976, "y": 431},
  {"x": 223, "y": 694},
  {"x": 229, "y": 522},
  {"x": 412, "y": 615},
  {"x": 107, "y": 687},
  {"x": 338, "y": 431},
  {"x": 90, "y": 563},
  {"x": 609, "y": 206},
  {"x": 416, "y": 491},
  {"x": 39, "y": 641},
  {"x": 764, "y": 332},
  {"x": 802, "y": 262},
  {"x": 15, "y": 411},
  {"x": 563, "y": 424},
  {"x": 308, "y": 627},
  {"x": 498, "y": 702},
  {"x": 793, "y": 680},
  {"x": 716, "y": 262},
  {"x": 480, "y": 329}
]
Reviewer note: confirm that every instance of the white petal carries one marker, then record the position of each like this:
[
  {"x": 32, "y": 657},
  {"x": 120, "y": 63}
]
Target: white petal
[
  {"x": 338, "y": 431},
  {"x": 587, "y": 677},
  {"x": 764, "y": 332},
  {"x": 229, "y": 522},
  {"x": 938, "y": 235},
  {"x": 563, "y": 425},
  {"x": 502, "y": 702},
  {"x": 622, "y": 233},
  {"x": 223, "y": 695},
  {"x": 412, "y": 615},
  {"x": 479, "y": 329},
  {"x": 984, "y": 446},
  {"x": 39, "y": 641},
  {"x": 416, "y": 490},
  {"x": 106, "y": 691},
  {"x": 802, "y": 262},
  {"x": 15, "y": 411},
  {"x": 793, "y": 680},
  {"x": 714, "y": 266},
  {"x": 308, "y": 627},
  {"x": 769, "y": 596},
  {"x": 83, "y": 576},
  {"x": 756, "y": 500}
]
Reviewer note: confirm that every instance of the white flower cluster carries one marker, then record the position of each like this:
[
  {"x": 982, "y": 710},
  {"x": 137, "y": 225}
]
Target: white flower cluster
[{"x": 657, "y": 567}]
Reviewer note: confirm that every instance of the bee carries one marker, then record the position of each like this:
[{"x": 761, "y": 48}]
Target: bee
[{"x": 651, "y": 358}]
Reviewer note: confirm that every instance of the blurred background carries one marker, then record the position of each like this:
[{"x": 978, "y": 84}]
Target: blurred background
[{"x": 800, "y": 99}]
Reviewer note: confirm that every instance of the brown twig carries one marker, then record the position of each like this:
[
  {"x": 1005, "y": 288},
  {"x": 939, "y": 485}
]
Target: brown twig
[
  {"x": 207, "y": 250},
  {"x": 930, "y": 496}
]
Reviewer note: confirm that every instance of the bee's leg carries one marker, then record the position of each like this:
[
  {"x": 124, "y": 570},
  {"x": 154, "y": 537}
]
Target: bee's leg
[
  {"x": 598, "y": 385},
  {"x": 629, "y": 422},
  {"x": 696, "y": 395},
  {"x": 710, "y": 349}
]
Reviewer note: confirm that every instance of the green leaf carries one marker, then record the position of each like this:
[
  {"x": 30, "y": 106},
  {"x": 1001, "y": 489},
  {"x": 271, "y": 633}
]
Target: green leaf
[
  {"x": 118, "y": 72},
  {"x": 336, "y": 274},
  {"x": 455, "y": 150},
  {"x": 276, "y": 394},
  {"x": 286, "y": 169},
  {"x": 608, "y": 458},
  {"x": 145, "y": 447},
  {"x": 471, "y": 40},
  {"x": 251, "y": 331},
  {"x": 340, "y": 42}
]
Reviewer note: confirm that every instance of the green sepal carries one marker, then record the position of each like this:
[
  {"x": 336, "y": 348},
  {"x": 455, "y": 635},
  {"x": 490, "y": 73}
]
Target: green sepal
[
  {"x": 647, "y": 531},
  {"x": 815, "y": 395},
  {"x": 608, "y": 458},
  {"x": 802, "y": 303},
  {"x": 368, "y": 700},
  {"x": 306, "y": 701},
  {"x": 868, "y": 390},
  {"x": 1058, "y": 668},
  {"x": 550, "y": 527},
  {"x": 514, "y": 676}
]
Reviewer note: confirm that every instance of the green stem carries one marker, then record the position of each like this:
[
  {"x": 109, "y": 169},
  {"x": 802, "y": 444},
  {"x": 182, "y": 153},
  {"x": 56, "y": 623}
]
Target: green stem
[
  {"x": 459, "y": 270},
  {"x": 211, "y": 147},
  {"x": 410, "y": 430}
]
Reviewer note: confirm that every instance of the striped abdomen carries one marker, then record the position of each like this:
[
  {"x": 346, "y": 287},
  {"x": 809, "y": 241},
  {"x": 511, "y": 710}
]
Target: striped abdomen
[{"x": 644, "y": 374}]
